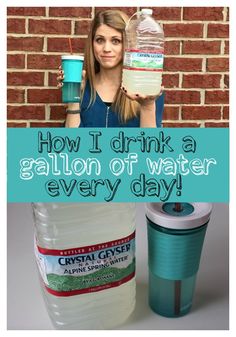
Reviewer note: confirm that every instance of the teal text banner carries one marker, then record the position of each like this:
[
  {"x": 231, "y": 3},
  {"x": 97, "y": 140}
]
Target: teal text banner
[{"x": 114, "y": 165}]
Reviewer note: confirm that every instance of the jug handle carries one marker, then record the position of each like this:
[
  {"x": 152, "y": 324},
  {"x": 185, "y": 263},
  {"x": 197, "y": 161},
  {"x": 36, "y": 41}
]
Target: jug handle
[{"x": 136, "y": 13}]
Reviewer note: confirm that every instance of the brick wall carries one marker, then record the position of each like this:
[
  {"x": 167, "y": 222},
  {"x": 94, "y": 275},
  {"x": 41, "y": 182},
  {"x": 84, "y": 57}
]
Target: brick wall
[{"x": 196, "y": 77}]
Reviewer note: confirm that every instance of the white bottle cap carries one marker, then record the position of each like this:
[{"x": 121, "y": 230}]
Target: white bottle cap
[{"x": 146, "y": 11}]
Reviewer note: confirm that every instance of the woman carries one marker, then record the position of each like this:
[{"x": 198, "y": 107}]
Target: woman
[{"x": 104, "y": 103}]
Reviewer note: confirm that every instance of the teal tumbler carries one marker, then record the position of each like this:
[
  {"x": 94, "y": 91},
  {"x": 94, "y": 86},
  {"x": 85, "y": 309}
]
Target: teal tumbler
[
  {"x": 175, "y": 239},
  {"x": 72, "y": 66}
]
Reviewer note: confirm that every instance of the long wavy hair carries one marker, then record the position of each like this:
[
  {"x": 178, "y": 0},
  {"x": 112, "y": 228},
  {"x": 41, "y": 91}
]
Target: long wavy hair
[{"x": 116, "y": 19}]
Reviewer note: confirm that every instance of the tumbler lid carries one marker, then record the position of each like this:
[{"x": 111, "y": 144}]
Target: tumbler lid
[
  {"x": 199, "y": 216},
  {"x": 72, "y": 57}
]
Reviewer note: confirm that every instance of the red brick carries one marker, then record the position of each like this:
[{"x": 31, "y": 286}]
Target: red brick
[
  {"x": 201, "y": 112},
  {"x": 26, "y": 11},
  {"x": 181, "y": 125},
  {"x": 226, "y": 112},
  {"x": 16, "y": 25},
  {"x": 44, "y": 96},
  {"x": 170, "y": 80},
  {"x": 16, "y": 61},
  {"x": 183, "y": 30},
  {"x": 25, "y": 43},
  {"x": 171, "y": 112},
  {"x": 15, "y": 95},
  {"x": 217, "y": 97},
  {"x": 226, "y": 51},
  {"x": 201, "y": 81},
  {"x": 62, "y": 45},
  {"x": 216, "y": 125},
  {"x": 26, "y": 112},
  {"x": 49, "y": 26},
  {"x": 52, "y": 79},
  {"x": 226, "y": 81},
  {"x": 58, "y": 112},
  {"x": 25, "y": 78},
  {"x": 218, "y": 30},
  {"x": 182, "y": 64},
  {"x": 218, "y": 64},
  {"x": 16, "y": 125},
  {"x": 44, "y": 61},
  {"x": 203, "y": 13},
  {"x": 172, "y": 47},
  {"x": 82, "y": 27},
  {"x": 182, "y": 97},
  {"x": 46, "y": 124},
  {"x": 167, "y": 13},
  {"x": 77, "y": 12},
  {"x": 227, "y": 18},
  {"x": 201, "y": 47},
  {"x": 128, "y": 10}
]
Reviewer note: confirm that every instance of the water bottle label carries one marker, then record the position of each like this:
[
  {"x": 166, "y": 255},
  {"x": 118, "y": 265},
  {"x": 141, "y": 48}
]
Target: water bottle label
[
  {"x": 143, "y": 60},
  {"x": 87, "y": 269}
]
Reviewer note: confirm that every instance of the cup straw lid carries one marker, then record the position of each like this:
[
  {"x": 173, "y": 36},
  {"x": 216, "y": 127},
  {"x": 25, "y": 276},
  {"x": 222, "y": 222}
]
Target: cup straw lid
[
  {"x": 72, "y": 57},
  {"x": 199, "y": 216}
]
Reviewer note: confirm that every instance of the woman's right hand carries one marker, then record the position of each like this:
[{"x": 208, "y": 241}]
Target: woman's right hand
[{"x": 60, "y": 77}]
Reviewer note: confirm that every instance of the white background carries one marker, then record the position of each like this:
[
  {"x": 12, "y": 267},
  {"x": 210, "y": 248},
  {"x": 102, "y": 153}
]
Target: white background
[{"x": 20, "y": 307}]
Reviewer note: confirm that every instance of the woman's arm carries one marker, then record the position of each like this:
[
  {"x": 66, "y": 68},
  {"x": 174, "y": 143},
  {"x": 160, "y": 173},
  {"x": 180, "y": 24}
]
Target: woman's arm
[
  {"x": 147, "y": 108},
  {"x": 148, "y": 114},
  {"x": 73, "y": 115}
]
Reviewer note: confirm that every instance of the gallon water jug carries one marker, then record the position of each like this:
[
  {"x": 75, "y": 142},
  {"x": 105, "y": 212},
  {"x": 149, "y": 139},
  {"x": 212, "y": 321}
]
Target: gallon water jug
[
  {"x": 144, "y": 54},
  {"x": 86, "y": 260}
]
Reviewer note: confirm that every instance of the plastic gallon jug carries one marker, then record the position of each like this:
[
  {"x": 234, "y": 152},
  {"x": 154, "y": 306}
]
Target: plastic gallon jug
[
  {"x": 86, "y": 260},
  {"x": 144, "y": 54}
]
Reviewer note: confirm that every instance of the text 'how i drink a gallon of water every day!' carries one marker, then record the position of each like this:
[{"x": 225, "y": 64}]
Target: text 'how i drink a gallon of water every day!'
[{"x": 58, "y": 162}]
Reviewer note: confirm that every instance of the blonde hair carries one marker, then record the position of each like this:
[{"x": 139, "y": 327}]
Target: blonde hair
[{"x": 115, "y": 19}]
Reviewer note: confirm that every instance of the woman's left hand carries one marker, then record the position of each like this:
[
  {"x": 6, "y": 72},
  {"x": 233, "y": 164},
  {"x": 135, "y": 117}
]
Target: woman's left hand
[{"x": 143, "y": 100}]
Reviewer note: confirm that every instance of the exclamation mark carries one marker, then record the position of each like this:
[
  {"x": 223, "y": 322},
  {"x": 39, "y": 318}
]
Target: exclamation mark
[{"x": 179, "y": 185}]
